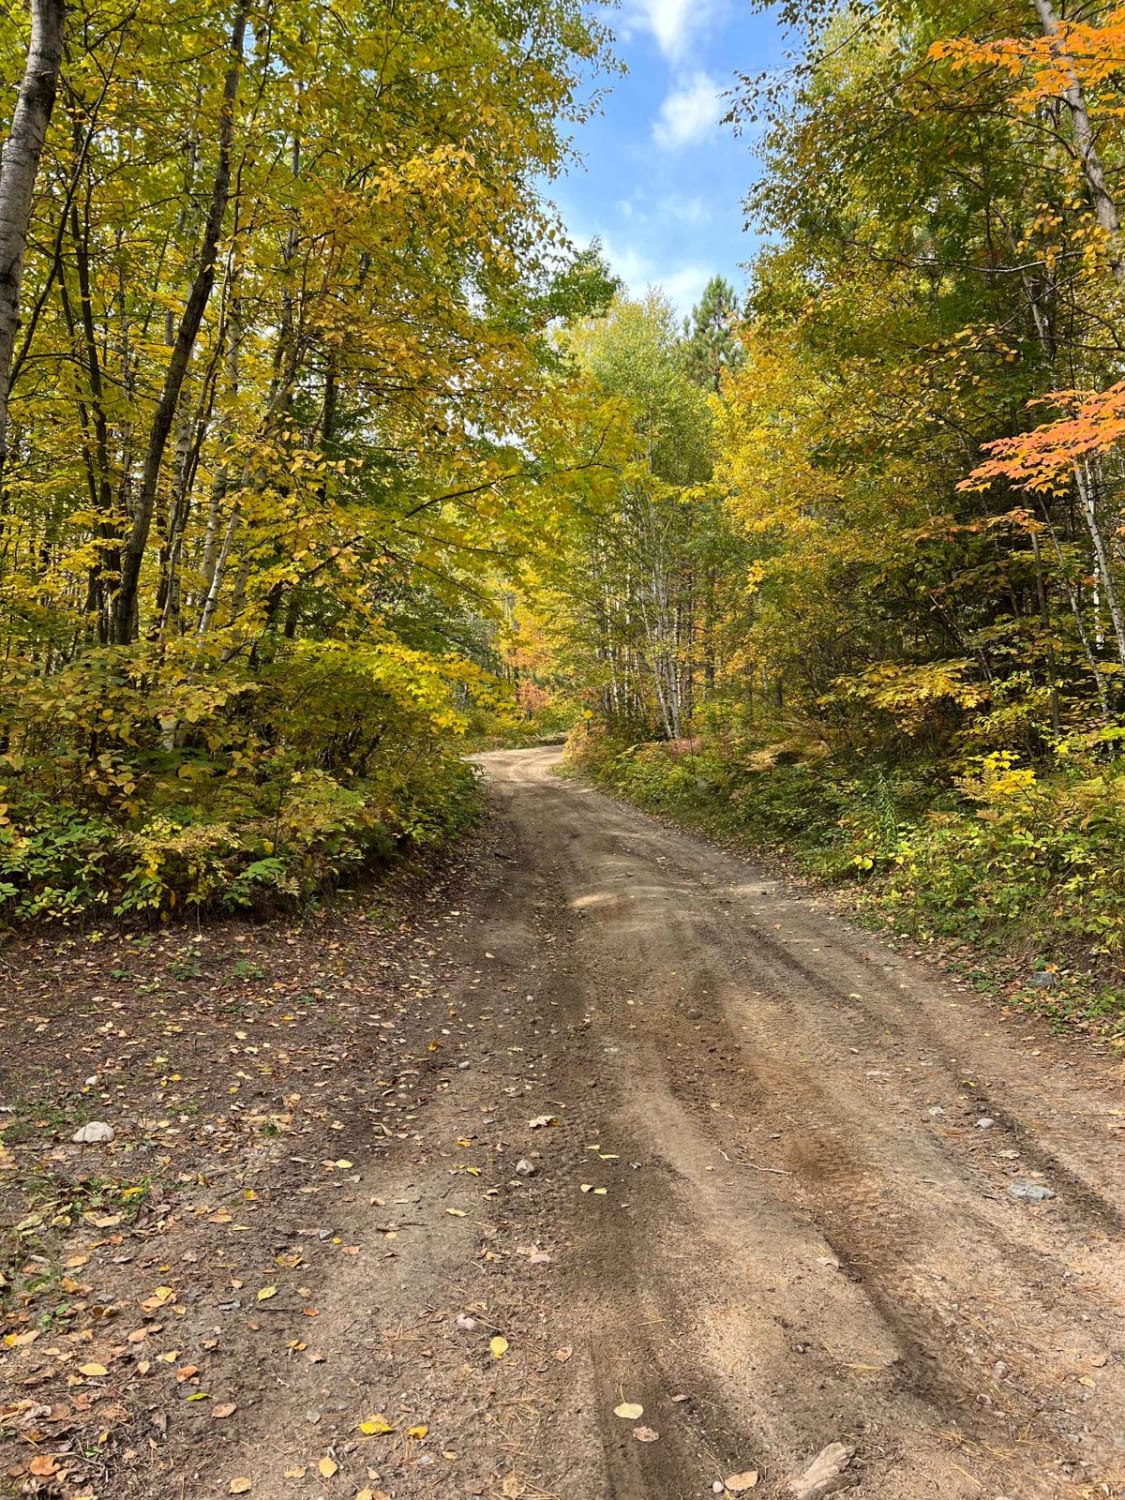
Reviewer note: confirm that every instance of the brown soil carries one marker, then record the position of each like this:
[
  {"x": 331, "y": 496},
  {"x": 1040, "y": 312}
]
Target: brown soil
[{"x": 804, "y": 1235}]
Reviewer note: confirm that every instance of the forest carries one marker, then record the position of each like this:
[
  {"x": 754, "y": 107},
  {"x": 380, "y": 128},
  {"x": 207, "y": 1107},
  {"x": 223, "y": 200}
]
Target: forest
[
  {"x": 327, "y": 457},
  {"x": 562, "y": 837}
]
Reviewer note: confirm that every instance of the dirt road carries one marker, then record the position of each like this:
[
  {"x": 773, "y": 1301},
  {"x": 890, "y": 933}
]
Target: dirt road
[
  {"x": 808, "y": 1226},
  {"x": 760, "y": 1199}
]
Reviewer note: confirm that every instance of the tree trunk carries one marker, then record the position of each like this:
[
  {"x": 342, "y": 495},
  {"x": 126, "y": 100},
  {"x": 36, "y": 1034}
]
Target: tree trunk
[
  {"x": 1088, "y": 499},
  {"x": 19, "y": 166},
  {"x": 132, "y": 553},
  {"x": 1105, "y": 208}
]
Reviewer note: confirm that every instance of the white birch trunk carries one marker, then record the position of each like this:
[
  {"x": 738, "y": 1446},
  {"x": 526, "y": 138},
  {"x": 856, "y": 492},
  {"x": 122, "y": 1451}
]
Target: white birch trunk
[{"x": 19, "y": 167}]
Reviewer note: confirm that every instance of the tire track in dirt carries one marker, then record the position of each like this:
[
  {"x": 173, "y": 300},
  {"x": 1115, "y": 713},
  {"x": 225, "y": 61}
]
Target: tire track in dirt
[
  {"x": 789, "y": 1240},
  {"x": 745, "y": 1026}
]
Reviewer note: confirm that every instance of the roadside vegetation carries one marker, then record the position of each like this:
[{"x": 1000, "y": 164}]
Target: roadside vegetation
[
  {"x": 1016, "y": 879},
  {"x": 278, "y": 404},
  {"x": 860, "y": 595},
  {"x": 324, "y": 457}
]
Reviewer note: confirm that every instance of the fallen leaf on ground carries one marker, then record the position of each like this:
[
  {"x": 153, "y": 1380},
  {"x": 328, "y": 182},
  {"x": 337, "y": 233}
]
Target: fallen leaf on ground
[
  {"x": 458, "y": 1213},
  {"x": 93, "y": 1370},
  {"x": 21, "y": 1340},
  {"x": 225, "y": 1409},
  {"x": 645, "y": 1435},
  {"x": 498, "y": 1346},
  {"x": 42, "y": 1466},
  {"x": 266, "y": 1293},
  {"x": 376, "y": 1425},
  {"x": 737, "y": 1483},
  {"x": 158, "y": 1298},
  {"x": 629, "y": 1410},
  {"x": 240, "y": 1486},
  {"x": 417, "y": 1432},
  {"x": 563, "y": 1354},
  {"x": 541, "y": 1121},
  {"x": 327, "y": 1467}
]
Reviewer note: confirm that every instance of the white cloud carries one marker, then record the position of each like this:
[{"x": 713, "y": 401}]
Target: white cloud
[
  {"x": 673, "y": 23},
  {"x": 689, "y": 114},
  {"x": 684, "y": 210},
  {"x": 635, "y": 268},
  {"x": 634, "y": 207},
  {"x": 681, "y": 284},
  {"x": 684, "y": 287}
]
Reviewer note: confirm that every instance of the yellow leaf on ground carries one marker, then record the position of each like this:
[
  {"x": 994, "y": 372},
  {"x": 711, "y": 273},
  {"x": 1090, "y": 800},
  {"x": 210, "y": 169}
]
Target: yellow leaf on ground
[
  {"x": 499, "y": 1347},
  {"x": 266, "y": 1293},
  {"x": 327, "y": 1467},
  {"x": 629, "y": 1410},
  {"x": 93, "y": 1370},
  {"x": 376, "y": 1425},
  {"x": 417, "y": 1432},
  {"x": 737, "y": 1483},
  {"x": 240, "y": 1486}
]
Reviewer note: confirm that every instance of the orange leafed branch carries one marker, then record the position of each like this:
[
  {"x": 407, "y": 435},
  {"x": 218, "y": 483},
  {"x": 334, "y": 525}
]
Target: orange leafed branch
[
  {"x": 1042, "y": 460},
  {"x": 1076, "y": 52}
]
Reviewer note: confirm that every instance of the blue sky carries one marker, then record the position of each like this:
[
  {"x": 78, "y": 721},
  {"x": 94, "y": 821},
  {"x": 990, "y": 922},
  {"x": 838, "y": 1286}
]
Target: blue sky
[{"x": 661, "y": 181}]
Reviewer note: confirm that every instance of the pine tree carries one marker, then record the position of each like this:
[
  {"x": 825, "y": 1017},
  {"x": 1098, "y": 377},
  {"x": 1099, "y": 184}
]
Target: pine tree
[{"x": 711, "y": 343}]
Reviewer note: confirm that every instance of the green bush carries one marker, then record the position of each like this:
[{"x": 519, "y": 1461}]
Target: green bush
[{"x": 165, "y": 785}]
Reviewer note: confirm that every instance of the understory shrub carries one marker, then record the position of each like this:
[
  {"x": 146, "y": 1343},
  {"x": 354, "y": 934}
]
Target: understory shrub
[
  {"x": 1000, "y": 855},
  {"x": 137, "y": 785}
]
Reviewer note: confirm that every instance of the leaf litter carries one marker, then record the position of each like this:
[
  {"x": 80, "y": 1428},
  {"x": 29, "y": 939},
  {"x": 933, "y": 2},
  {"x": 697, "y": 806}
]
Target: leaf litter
[{"x": 210, "y": 1085}]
